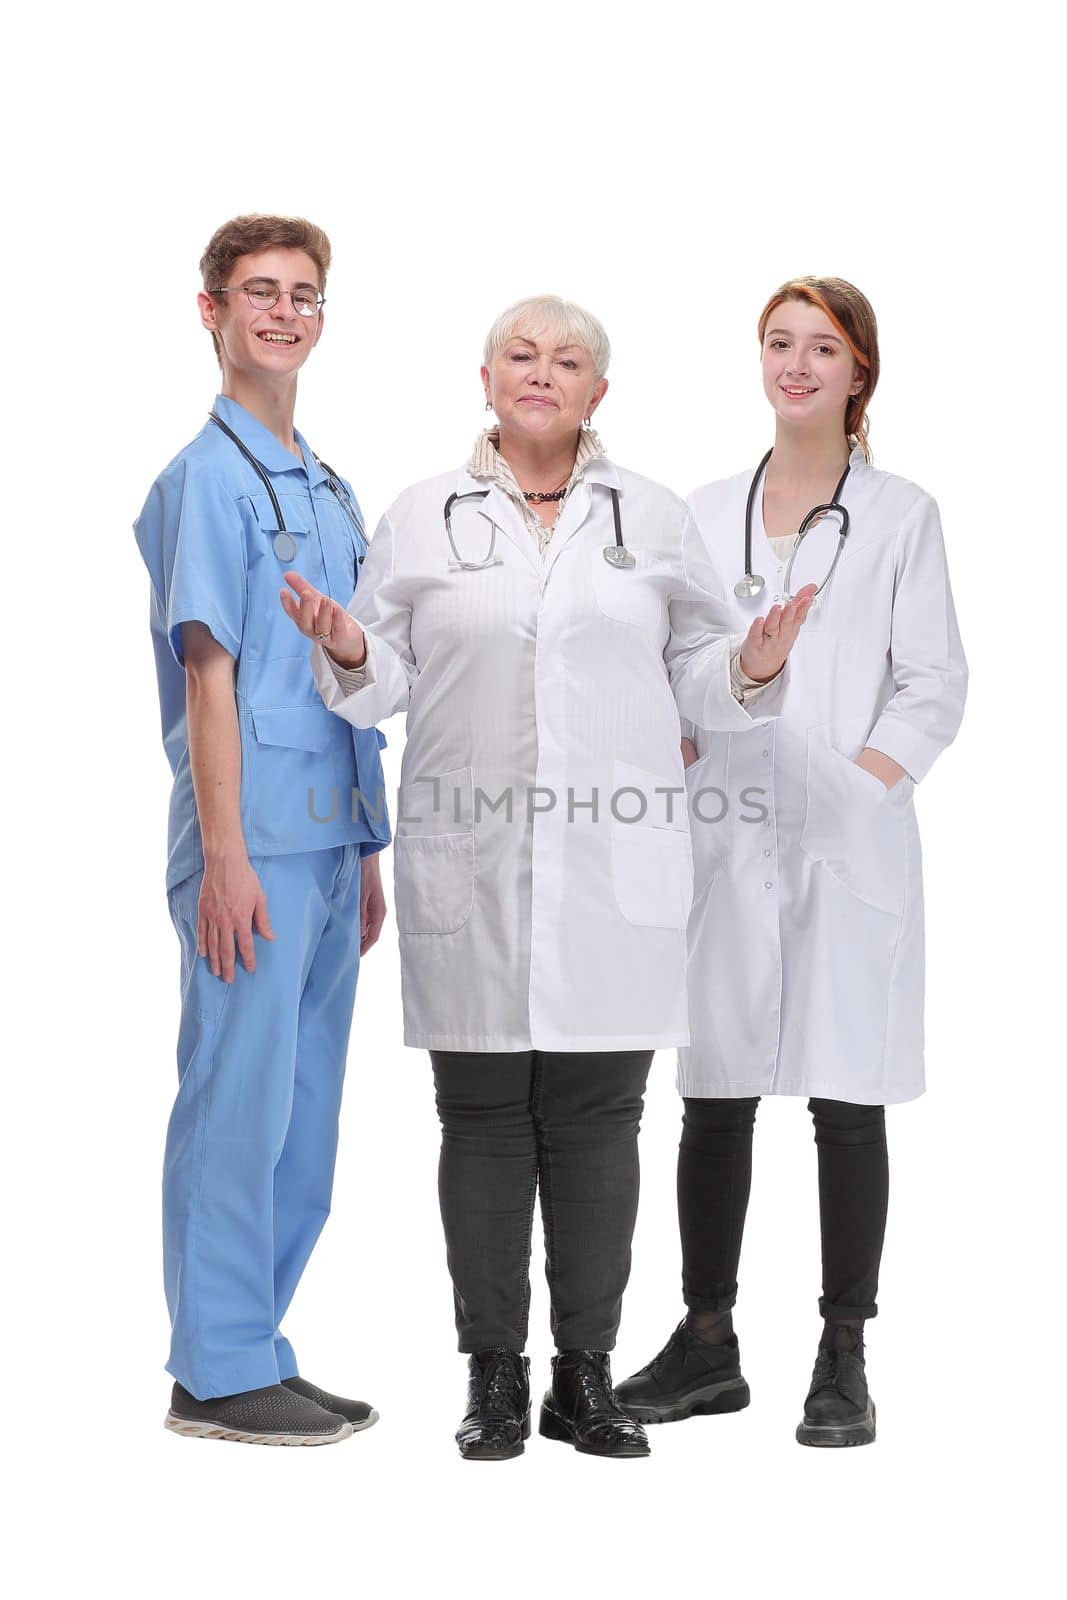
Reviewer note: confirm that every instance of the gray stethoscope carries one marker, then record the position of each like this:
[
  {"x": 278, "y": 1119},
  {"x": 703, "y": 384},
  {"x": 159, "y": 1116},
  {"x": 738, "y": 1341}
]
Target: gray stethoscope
[
  {"x": 283, "y": 542},
  {"x": 751, "y": 584},
  {"x": 616, "y": 555}
]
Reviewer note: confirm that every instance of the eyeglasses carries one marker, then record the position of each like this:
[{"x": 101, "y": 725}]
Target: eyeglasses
[{"x": 262, "y": 293}]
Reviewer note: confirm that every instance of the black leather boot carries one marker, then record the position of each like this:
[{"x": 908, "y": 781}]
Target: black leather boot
[
  {"x": 581, "y": 1409},
  {"x": 497, "y": 1418},
  {"x": 689, "y": 1378},
  {"x": 839, "y": 1410}
]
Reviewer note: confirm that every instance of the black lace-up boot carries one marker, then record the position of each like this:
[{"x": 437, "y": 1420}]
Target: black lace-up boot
[
  {"x": 497, "y": 1418},
  {"x": 689, "y": 1378},
  {"x": 838, "y": 1410},
  {"x": 581, "y": 1409}
]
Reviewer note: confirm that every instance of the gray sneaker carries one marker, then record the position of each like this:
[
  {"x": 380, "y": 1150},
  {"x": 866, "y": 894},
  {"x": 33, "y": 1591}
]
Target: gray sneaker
[
  {"x": 274, "y": 1415},
  {"x": 356, "y": 1412}
]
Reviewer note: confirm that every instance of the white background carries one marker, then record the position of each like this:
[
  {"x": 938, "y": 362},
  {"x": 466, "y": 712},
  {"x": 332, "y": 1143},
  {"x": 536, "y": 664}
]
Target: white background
[{"x": 669, "y": 166}]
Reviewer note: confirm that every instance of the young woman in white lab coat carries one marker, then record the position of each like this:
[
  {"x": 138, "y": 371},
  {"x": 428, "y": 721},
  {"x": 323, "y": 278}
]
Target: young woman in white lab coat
[
  {"x": 806, "y": 935},
  {"x": 540, "y": 616}
]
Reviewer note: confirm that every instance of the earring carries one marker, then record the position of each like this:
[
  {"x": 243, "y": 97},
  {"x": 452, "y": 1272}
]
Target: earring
[
  {"x": 587, "y": 422},
  {"x": 489, "y": 405}
]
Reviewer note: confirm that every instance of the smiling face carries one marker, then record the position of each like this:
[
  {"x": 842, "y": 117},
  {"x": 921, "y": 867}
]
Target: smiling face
[
  {"x": 542, "y": 390},
  {"x": 271, "y": 343},
  {"x": 809, "y": 372}
]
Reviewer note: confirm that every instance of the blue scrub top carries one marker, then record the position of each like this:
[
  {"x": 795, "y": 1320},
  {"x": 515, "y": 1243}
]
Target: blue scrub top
[{"x": 309, "y": 781}]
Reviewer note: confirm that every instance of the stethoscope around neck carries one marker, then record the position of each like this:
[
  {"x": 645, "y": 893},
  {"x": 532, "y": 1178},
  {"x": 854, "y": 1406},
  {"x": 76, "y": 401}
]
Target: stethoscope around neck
[
  {"x": 616, "y": 555},
  {"x": 283, "y": 542},
  {"x": 750, "y": 585}
]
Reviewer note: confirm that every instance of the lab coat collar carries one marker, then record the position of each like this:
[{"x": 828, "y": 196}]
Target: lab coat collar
[
  {"x": 467, "y": 483},
  {"x": 268, "y": 451},
  {"x": 499, "y": 509},
  {"x": 601, "y": 474},
  {"x": 599, "y": 471},
  {"x": 856, "y": 459},
  {"x": 862, "y": 529},
  {"x": 603, "y": 471}
]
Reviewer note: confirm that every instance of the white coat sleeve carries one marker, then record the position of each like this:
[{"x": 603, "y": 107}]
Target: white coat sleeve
[
  {"x": 744, "y": 689},
  {"x": 382, "y": 610},
  {"x": 700, "y": 645},
  {"x": 926, "y": 655}
]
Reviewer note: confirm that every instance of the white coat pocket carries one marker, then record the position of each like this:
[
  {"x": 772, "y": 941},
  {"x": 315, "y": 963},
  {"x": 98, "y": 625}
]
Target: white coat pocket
[
  {"x": 637, "y": 594},
  {"x": 853, "y": 825},
  {"x": 433, "y": 853},
  {"x": 651, "y": 857},
  {"x": 708, "y": 800}
]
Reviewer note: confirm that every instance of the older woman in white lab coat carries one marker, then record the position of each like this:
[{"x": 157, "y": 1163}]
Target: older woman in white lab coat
[
  {"x": 541, "y": 615},
  {"x": 806, "y": 936}
]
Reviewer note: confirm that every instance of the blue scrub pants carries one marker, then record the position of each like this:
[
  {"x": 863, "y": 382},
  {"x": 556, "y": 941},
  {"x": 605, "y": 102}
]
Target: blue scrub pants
[{"x": 253, "y": 1135}]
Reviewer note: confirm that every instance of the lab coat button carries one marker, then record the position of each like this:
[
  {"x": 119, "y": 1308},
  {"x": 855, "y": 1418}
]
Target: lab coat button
[
  {"x": 766, "y": 852},
  {"x": 766, "y": 752},
  {"x": 768, "y": 885}
]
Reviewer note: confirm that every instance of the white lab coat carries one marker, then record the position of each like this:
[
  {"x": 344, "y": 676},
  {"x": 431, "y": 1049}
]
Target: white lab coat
[
  {"x": 550, "y": 679},
  {"x": 806, "y": 935}
]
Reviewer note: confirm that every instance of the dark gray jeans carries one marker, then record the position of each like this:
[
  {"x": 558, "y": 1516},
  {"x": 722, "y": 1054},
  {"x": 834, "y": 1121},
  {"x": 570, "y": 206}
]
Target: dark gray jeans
[{"x": 513, "y": 1123}]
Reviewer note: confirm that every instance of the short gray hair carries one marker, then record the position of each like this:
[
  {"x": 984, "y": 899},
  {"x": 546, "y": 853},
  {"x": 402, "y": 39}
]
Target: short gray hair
[{"x": 547, "y": 313}]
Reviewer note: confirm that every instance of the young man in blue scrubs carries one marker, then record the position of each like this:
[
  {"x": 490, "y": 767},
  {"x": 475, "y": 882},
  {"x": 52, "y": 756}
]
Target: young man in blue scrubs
[{"x": 277, "y": 816}]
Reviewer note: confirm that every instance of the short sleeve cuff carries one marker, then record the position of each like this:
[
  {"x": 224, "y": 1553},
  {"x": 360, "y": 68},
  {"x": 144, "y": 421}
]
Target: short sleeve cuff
[{"x": 220, "y": 632}]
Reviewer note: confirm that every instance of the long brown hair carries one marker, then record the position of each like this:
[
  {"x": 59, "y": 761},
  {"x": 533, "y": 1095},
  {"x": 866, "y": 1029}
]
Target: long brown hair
[{"x": 852, "y": 316}]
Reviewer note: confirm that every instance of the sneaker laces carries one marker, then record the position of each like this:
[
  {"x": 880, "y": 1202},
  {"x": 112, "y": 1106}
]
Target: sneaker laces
[
  {"x": 834, "y": 1368},
  {"x": 825, "y": 1370},
  {"x": 678, "y": 1337}
]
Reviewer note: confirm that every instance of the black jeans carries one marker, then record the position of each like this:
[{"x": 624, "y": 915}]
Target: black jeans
[
  {"x": 511, "y": 1123},
  {"x": 714, "y": 1177}
]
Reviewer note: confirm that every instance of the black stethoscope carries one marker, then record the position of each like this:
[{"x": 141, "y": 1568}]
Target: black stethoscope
[
  {"x": 283, "y": 542},
  {"x": 751, "y": 584},
  {"x": 616, "y": 555}
]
